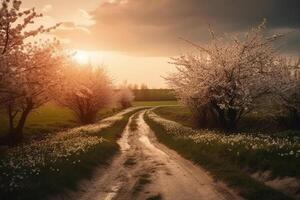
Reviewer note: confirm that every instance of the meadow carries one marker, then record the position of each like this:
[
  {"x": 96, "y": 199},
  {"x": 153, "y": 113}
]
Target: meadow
[
  {"x": 261, "y": 120},
  {"x": 51, "y": 118},
  {"x": 233, "y": 158},
  {"x": 47, "y": 118},
  {"x": 58, "y": 162},
  {"x": 231, "y": 102},
  {"x": 154, "y": 95}
]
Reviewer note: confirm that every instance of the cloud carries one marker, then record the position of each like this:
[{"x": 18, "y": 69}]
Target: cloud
[
  {"x": 86, "y": 18},
  {"x": 85, "y": 14},
  {"x": 47, "y": 8},
  {"x": 70, "y": 32},
  {"x": 152, "y": 27}
]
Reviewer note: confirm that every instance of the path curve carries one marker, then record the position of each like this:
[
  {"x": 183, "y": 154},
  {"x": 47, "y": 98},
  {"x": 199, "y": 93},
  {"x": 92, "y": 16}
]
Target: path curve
[{"x": 147, "y": 169}]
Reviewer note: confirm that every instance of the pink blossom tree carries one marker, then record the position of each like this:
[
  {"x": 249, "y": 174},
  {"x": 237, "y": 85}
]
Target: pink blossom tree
[
  {"x": 38, "y": 75},
  {"x": 26, "y": 69},
  {"x": 14, "y": 30},
  {"x": 287, "y": 89},
  {"x": 226, "y": 77},
  {"x": 125, "y": 97},
  {"x": 86, "y": 90}
]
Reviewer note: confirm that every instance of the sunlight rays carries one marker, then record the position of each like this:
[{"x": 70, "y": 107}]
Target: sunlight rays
[{"x": 82, "y": 57}]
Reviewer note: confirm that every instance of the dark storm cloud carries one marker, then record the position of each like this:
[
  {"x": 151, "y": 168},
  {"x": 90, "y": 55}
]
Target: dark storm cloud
[
  {"x": 170, "y": 12},
  {"x": 152, "y": 27}
]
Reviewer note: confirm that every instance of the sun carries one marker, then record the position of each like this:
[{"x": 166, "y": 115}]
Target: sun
[{"x": 82, "y": 57}]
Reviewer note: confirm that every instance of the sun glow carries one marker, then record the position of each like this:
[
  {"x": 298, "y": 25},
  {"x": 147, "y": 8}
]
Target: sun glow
[{"x": 82, "y": 57}]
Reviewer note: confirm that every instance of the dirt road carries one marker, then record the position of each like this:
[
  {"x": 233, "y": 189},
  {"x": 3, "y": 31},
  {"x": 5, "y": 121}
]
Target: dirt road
[{"x": 146, "y": 169}]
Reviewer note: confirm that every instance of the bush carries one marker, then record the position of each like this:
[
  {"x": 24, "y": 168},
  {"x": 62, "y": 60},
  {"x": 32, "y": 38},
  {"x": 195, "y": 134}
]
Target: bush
[
  {"x": 86, "y": 95},
  {"x": 125, "y": 97},
  {"x": 227, "y": 76}
]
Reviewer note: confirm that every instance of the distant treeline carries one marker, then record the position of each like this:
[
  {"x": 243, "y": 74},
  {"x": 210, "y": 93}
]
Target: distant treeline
[{"x": 153, "y": 95}]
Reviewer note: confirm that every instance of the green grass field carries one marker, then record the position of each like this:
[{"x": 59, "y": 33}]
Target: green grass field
[
  {"x": 259, "y": 121},
  {"x": 230, "y": 166},
  {"x": 51, "y": 118},
  {"x": 179, "y": 114},
  {"x": 223, "y": 164},
  {"x": 255, "y": 160},
  {"x": 49, "y": 182},
  {"x": 48, "y": 118}
]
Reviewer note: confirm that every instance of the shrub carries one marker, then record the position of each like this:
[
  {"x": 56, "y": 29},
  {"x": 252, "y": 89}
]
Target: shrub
[
  {"x": 226, "y": 77},
  {"x": 125, "y": 97},
  {"x": 86, "y": 90}
]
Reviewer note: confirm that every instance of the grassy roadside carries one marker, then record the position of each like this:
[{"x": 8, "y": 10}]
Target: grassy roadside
[
  {"x": 49, "y": 118},
  {"x": 261, "y": 120},
  {"x": 276, "y": 153},
  {"x": 52, "y": 118},
  {"x": 71, "y": 170},
  {"x": 178, "y": 114},
  {"x": 217, "y": 165}
]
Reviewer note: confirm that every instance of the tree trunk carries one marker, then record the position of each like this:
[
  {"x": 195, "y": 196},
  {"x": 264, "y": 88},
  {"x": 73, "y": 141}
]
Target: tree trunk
[
  {"x": 294, "y": 119},
  {"x": 11, "y": 117},
  {"x": 220, "y": 116},
  {"x": 227, "y": 119},
  {"x": 232, "y": 120},
  {"x": 21, "y": 124},
  {"x": 17, "y": 133}
]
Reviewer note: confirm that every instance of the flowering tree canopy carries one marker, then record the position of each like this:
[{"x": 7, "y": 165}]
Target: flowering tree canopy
[
  {"x": 86, "y": 90},
  {"x": 14, "y": 23},
  {"x": 37, "y": 75},
  {"x": 227, "y": 75},
  {"x": 14, "y": 30},
  {"x": 27, "y": 70},
  {"x": 287, "y": 88},
  {"x": 125, "y": 97}
]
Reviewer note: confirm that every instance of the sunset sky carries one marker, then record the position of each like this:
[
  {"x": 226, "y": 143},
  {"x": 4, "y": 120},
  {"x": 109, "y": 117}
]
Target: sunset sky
[{"x": 134, "y": 39}]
